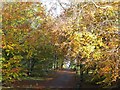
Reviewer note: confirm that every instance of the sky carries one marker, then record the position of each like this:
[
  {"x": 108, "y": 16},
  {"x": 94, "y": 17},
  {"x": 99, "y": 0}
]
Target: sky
[
  {"x": 54, "y": 6},
  {"x": 57, "y": 9}
]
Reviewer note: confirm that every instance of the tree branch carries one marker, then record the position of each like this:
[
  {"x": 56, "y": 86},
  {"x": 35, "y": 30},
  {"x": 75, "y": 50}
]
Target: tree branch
[
  {"x": 61, "y": 5},
  {"x": 100, "y": 6}
]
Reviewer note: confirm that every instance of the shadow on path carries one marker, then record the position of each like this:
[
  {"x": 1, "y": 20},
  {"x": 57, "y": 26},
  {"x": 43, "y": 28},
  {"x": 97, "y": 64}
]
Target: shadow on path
[{"x": 60, "y": 79}]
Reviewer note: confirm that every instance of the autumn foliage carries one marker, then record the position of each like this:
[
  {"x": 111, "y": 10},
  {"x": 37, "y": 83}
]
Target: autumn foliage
[{"x": 84, "y": 34}]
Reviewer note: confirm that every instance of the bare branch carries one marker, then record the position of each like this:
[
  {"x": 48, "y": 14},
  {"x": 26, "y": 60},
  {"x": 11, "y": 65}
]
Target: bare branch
[
  {"x": 61, "y": 5},
  {"x": 100, "y": 6}
]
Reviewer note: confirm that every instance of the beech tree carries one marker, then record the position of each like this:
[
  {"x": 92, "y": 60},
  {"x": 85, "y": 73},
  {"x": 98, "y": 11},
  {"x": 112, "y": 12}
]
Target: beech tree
[
  {"x": 85, "y": 34},
  {"x": 25, "y": 39},
  {"x": 88, "y": 33}
]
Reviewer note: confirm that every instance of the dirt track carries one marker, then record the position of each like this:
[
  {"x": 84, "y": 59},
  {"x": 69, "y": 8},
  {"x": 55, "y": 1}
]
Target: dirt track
[{"x": 60, "y": 79}]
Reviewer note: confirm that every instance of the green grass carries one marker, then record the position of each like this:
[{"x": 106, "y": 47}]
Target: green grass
[{"x": 33, "y": 78}]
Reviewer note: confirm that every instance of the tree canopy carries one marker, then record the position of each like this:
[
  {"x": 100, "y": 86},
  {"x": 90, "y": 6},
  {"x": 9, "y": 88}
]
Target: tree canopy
[{"x": 86, "y": 33}]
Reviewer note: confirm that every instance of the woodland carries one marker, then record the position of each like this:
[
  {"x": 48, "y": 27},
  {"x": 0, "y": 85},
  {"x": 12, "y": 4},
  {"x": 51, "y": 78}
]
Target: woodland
[{"x": 84, "y": 38}]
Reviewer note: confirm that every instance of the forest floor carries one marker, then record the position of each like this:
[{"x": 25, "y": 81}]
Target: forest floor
[{"x": 58, "y": 80}]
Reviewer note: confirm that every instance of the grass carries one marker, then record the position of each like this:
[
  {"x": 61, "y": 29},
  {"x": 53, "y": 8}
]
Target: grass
[
  {"x": 36, "y": 76},
  {"x": 33, "y": 78}
]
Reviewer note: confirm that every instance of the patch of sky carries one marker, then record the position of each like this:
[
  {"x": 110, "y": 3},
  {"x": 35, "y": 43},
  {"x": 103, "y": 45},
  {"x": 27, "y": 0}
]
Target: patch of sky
[{"x": 53, "y": 6}]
